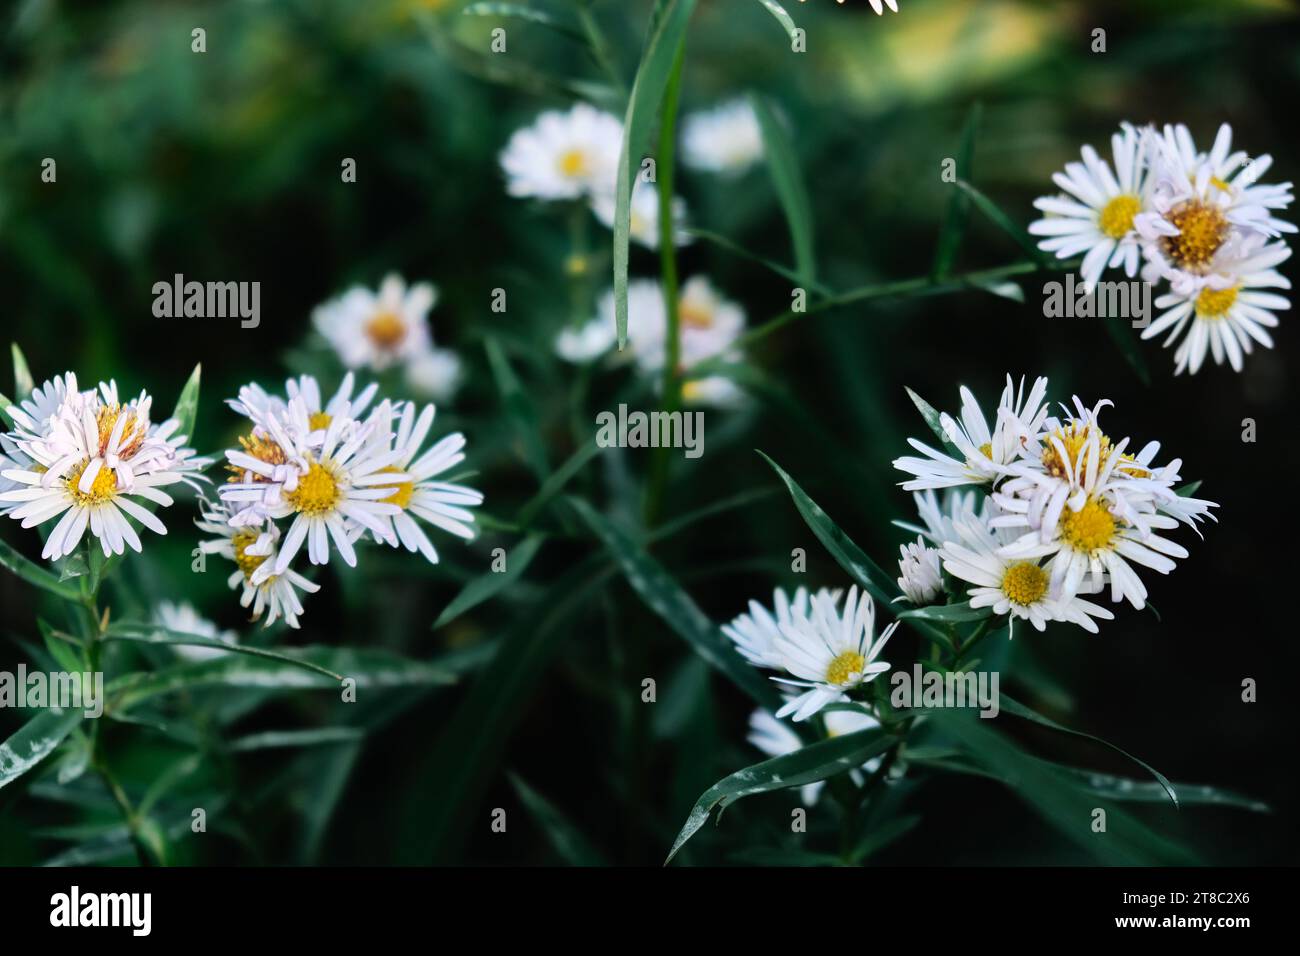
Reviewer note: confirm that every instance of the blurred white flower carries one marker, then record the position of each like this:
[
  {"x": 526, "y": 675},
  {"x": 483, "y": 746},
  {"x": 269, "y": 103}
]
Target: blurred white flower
[
  {"x": 182, "y": 618},
  {"x": 434, "y": 373},
  {"x": 379, "y": 329},
  {"x": 564, "y": 155},
  {"x": 643, "y": 212},
  {"x": 777, "y": 738},
  {"x": 724, "y": 139}
]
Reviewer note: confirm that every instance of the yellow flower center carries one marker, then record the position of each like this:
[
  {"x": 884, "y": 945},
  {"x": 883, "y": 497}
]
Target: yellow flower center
[
  {"x": 848, "y": 662},
  {"x": 402, "y": 491},
  {"x": 386, "y": 330},
  {"x": 319, "y": 421},
  {"x": 1116, "y": 217},
  {"x": 1219, "y": 184},
  {"x": 1091, "y": 528},
  {"x": 261, "y": 448},
  {"x": 1024, "y": 583},
  {"x": 102, "y": 488},
  {"x": 1129, "y": 466},
  {"x": 573, "y": 163},
  {"x": 1201, "y": 227},
  {"x": 317, "y": 492},
  {"x": 242, "y": 541},
  {"x": 694, "y": 316},
  {"x": 133, "y": 431},
  {"x": 1072, "y": 438},
  {"x": 1215, "y": 303},
  {"x": 986, "y": 450}
]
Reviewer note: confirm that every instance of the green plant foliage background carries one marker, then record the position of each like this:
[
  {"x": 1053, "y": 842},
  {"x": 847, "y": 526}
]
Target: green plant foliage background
[{"x": 226, "y": 166}]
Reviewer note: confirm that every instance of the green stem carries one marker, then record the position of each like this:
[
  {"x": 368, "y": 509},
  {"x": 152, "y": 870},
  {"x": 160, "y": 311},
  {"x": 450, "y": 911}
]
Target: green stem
[{"x": 671, "y": 385}]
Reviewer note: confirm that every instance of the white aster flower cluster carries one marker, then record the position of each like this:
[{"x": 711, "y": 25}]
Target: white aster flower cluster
[
  {"x": 1056, "y": 512},
  {"x": 94, "y": 462},
  {"x": 574, "y": 156},
  {"x": 388, "y": 328},
  {"x": 1203, "y": 222},
  {"x": 326, "y": 475}
]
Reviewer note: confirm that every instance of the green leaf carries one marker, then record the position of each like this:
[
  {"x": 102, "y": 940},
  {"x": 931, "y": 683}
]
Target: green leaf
[
  {"x": 958, "y": 211},
  {"x": 783, "y": 164},
  {"x": 5, "y": 405},
  {"x": 187, "y": 406},
  {"x": 487, "y": 586},
  {"x": 667, "y": 599},
  {"x": 556, "y": 481},
  {"x": 274, "y": 739},
  {"x": 23, "y": 383},
  {"x": 304, "y": 668},
  {"x": 931, "y": 417},
  {"x": 1003, "y": 222},
  {"x": 516, "y": 11},
  {"x": 1056, "y": 797},
  {"x": 565, "y": 838},
  {"x": 1138, "y": 791},
  {"x": 946, "y": 613},
  {"x": 1189, "y": 489},
  {"x": 818, "y": 761},
  {"x": 666, "y": 40},
  {"x": 1121, "y": 333},
  {"x": 782, "y": 18},
  {"x": 876, "y": 840},
  {"x": 1020, "y": 710},
  {"x": 519, "y": 407},
  {"x": 34, "y": 741},
  {"x": 146, "y": 633},
  {"x": 35, "y": 574}
]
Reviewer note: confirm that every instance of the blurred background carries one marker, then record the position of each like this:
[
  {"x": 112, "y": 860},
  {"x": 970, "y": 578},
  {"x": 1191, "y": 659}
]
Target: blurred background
[{"x": 226, "y": 165}]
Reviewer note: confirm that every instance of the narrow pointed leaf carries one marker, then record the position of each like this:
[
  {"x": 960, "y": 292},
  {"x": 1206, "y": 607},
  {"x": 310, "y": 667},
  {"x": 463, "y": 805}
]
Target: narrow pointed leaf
[
  {"x": 35, "y": 740},
  {"x": 783, "y": 164}
]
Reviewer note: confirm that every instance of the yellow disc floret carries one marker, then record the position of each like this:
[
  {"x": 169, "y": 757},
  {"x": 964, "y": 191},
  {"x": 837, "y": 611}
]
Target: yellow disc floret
[
  {"x": 102, "y": 488},
  {"x": 1072, "y": 438},
  {"x": 402, "y": 491},
  {"x": 1215, "y": 303},
  {"x": 317, "y": 492},
  {"x": 386, "y": 330},
  {"x": 846, "y": 663},
  {"x": 1024, "y": 583},
  {"x": 1202, "y": 227},
  {"x": 573, "y": 163},
  {"x": 1091, "y": 528},
  {"x": 1116, "y": 217},
  {"x": 243, "y": 539}
]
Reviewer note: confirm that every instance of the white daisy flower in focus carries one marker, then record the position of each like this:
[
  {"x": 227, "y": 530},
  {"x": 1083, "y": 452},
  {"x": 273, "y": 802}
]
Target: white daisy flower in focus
[
  {"x": 252, "y": 550},
  {"x": 413, "y": 490},
  {"x": 258, "y": 405},
  {"x": 87, "y": 461},
  {"x": 938, "y": 517},
  {"x": 1017, "y": 587},
  {"x": 1200, "y": 202},
  {"x": 1229, "y": 314},
  {"x": 922, "y": 579},
  {"x": 830, "y": 652},
  {"x": 986, "y": 453},
  {"x": 376, "y": 330},
  {"x": 326, "y": 490},
  {"x": 1096, "y": 218},
  {"x": 182, "y": 618},
  {"x": 564, "y": 155},
  {"x": 755, "y": 634},
  {"x": 776, "y": 738},
  {"x": 726, "y": 139},
  {"x": 643, "y": 213}
]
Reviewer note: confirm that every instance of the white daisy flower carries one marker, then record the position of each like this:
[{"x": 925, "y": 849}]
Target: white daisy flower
[
  {"x": 755, "y": 634},
  {"x": 830, "y": 652},
  {"x": 182, "y": 618},
  {"x": 88, "y": 460},
  {"x": 326, "y": 489},
  {"x": 921, "y": 581},
  {"x": 1096, "y": 218},
  {"x": 643, "y": 213},
  {"x": 415, "y": 494},
  {"x": 256, "y": 404},
  {"x": 1200, "y": 202},
  {"x": 879, "y": 6},
  {"x": 710, "y": 326},
  {"x": 253, "y": 550},
  {"x": 939, "y": 517},
  {"x": 985, "y": 453},
  {"x": 726, "y": 139},
  {"x": 1016, "y": 587},
  {"x": 434, "y": 373},
  {"x": 776, "y": 738},
  {"x": 377, "y": 330},
  {"x": 564, "y": 155},
  {"x": 1231, "y": 312}
]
